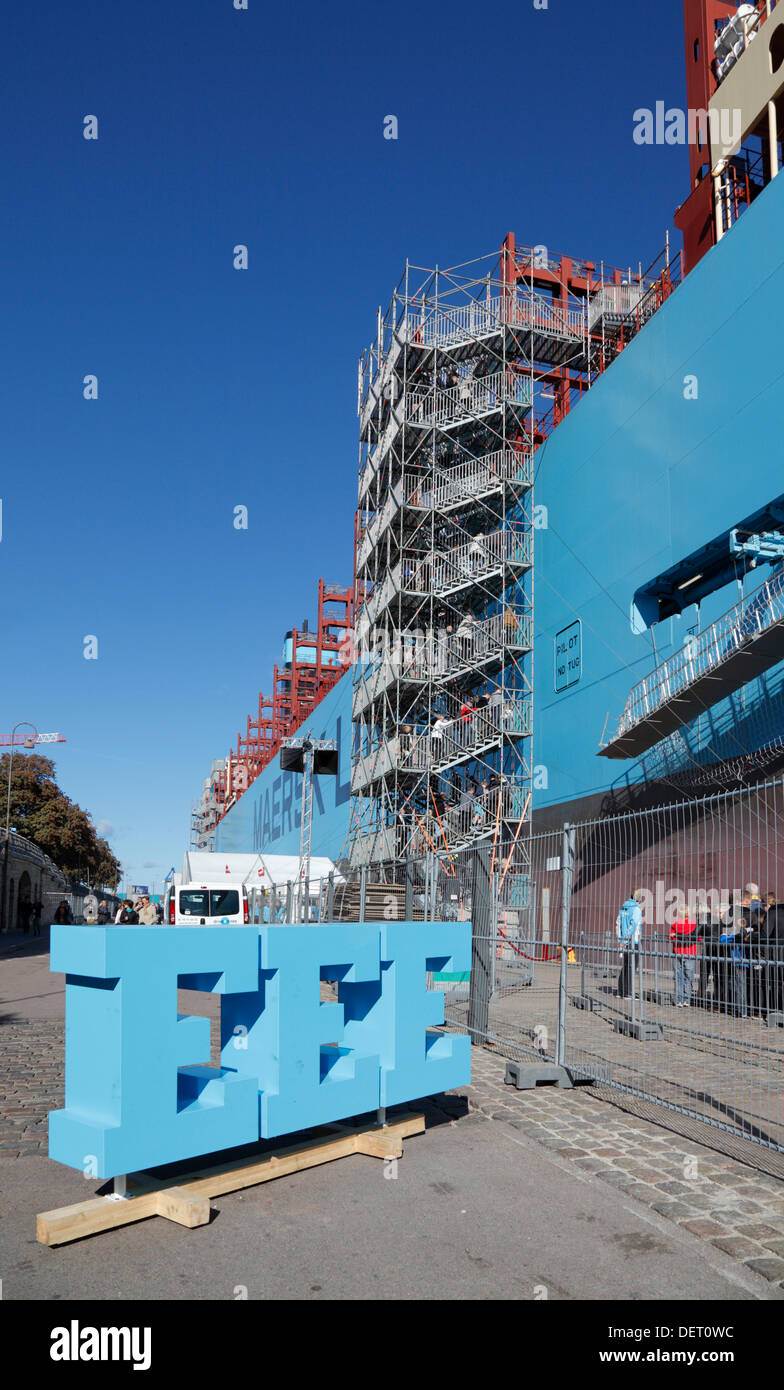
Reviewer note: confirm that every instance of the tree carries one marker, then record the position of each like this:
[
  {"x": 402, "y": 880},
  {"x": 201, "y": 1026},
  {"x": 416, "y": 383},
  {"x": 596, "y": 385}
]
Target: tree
[{"x": 42, "y": 813}]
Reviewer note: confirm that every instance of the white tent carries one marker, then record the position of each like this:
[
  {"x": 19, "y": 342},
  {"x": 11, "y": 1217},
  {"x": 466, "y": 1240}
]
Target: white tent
[{"x": 254, "y": 870}]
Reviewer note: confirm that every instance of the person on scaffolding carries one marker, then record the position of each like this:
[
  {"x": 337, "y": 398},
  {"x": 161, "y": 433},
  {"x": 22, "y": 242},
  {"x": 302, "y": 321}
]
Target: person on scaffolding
[{"x": 628, "y": 929}]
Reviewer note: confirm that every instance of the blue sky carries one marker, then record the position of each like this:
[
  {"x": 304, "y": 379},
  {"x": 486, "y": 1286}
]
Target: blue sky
[{"x": 220, "y": 387}]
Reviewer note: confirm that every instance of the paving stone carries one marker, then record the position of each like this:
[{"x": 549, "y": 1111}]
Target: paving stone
[
  {"x": 777, "y": 1246},
  {"x": 738, "y": 1246},
  {"x": 757, "y": 1230},
  {"x": 647, "y": 1175},
  {"x": 772, "y": 1269},
  {"x": 704, "y": 1228},
  {"x": 728, "y": 1215},
  {"x": 616, "y": 1179}
]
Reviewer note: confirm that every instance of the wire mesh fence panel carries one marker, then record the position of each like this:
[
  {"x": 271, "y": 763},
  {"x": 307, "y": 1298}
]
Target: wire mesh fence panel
[
  {"x": 643, "y": 951},
  {"x": 515, "y": 945},
  {"x": 676, "y": 928}
]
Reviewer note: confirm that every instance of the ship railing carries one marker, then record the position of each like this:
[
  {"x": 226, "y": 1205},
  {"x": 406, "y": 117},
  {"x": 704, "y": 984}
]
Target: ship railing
[
  {"x": 468, "y": 480},
  {"x": 706, "y": 652},
  {"x": 473, "y": 396}
]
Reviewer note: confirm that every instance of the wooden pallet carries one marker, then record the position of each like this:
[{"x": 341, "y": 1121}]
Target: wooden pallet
[
  {"x": 186, "y": 1200},
  {"x": 384, "y": 902}
]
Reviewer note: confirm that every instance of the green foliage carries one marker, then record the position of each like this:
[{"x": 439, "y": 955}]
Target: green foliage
[{"x": 42, "y": 813}]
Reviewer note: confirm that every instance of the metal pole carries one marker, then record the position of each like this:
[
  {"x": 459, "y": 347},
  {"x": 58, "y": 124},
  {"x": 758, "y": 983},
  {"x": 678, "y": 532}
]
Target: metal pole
[
  {"x": 567, "y": 849},
  {"x": 478, "y": 989},
  {"x": 494, "y": 951},
  {"x": 362, "y": 892},
  {"x": 331, "y": 896}
]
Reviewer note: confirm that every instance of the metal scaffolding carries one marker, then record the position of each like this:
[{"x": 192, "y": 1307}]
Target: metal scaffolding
[
  {"x": 443, "y": 630},
  {"x": 447, "y": 398}
]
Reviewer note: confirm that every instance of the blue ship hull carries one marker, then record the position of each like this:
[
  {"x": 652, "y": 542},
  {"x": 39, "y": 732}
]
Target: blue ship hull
[
  {"x": 643, "y": 473},
  {"x": 638, "y": 477}
]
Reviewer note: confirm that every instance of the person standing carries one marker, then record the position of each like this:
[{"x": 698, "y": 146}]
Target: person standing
[
  {"x": 735, "y": 938},
  {"x": 437, "y": 732},
  {"x": 683, "y": 935},
  {"x": 477, "y": 554},
  {"x": 628, "y": 929},
  {"x": 103, "y": 914},
  {"x": 464, "y": 636},
  {"x": 38, "y": 908},
  {"x": 148, "y": 917},
  {"x": 772, "y": 948}
]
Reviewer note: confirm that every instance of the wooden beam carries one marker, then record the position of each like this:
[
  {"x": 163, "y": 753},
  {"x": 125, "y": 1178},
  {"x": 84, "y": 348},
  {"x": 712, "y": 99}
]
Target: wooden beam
[{"x": 187, "y": 1200}]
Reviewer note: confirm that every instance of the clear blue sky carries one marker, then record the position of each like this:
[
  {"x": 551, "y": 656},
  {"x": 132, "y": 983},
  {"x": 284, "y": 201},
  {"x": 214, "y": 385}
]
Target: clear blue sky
[{"x": 219, "y": 387}]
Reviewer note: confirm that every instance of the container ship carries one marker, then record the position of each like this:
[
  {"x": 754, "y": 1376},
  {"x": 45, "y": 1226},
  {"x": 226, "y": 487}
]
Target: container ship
[{"x": 568, "y": 569}]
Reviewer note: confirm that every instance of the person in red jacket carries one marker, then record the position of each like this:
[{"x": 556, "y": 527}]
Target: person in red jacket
[{"x": 683, "y": 936}]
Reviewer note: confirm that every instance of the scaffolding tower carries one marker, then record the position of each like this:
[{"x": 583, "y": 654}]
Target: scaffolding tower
[{"x": 443, "y": 658}]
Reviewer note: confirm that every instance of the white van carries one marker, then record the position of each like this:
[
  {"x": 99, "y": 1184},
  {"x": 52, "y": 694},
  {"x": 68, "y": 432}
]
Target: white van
[{"x": 206, "y": 905}]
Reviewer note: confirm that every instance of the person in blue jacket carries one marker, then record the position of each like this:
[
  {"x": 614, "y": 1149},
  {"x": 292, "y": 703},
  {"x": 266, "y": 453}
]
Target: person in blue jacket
[
  {"x": 628, "y": 929},
  {"x": 735, "y": 937}
]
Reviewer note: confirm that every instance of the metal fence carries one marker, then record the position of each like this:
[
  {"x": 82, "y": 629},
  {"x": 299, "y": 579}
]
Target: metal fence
[{"x": 701, "y": 1033}]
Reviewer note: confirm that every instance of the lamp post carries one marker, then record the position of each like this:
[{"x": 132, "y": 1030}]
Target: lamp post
[{"x": 27, "y": 743}]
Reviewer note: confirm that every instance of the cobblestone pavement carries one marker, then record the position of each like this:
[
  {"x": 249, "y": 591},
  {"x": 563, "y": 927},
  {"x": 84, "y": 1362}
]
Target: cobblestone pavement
[
  {"x": 709, "y": 1063},
  {"x": 717, "y": 1198},
  {"x": 32, "y": 1082}
]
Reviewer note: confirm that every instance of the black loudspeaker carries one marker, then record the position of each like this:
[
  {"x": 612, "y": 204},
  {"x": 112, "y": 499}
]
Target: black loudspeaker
[
  {"x": 292, "y": 760},
  {"x": 325, "y": 760}
]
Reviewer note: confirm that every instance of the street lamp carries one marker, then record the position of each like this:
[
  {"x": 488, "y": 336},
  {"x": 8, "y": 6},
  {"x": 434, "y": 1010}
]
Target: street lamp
[{"x": 26, "y": 743}]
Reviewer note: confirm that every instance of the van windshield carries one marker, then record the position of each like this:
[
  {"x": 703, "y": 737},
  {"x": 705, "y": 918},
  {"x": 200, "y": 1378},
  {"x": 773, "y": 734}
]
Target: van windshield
[{"x": 221, "y": 902}]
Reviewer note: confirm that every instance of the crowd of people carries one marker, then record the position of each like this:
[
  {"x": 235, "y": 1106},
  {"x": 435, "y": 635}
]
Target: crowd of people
[
  {"x": 139, "y": 911},
  {"x": 733, "y": 962}
]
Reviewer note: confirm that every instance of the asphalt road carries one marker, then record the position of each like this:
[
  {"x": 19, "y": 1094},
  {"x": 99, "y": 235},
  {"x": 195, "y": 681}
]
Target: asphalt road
[{"x": 476, "y": 1212}]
